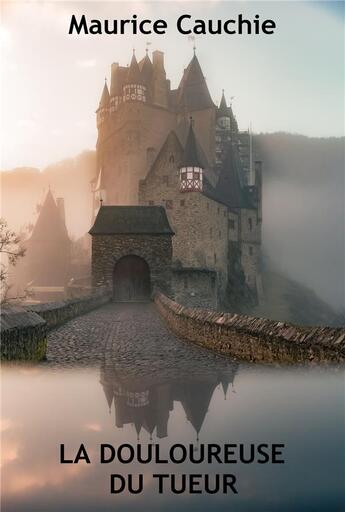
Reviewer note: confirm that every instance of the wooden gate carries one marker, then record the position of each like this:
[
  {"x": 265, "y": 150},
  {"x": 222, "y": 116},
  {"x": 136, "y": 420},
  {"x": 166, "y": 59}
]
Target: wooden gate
[{"x": 131, "y": 280}]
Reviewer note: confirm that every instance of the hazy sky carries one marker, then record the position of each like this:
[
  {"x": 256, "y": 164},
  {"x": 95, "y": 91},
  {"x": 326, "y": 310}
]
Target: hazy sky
[{"x": 290, "y": 81}]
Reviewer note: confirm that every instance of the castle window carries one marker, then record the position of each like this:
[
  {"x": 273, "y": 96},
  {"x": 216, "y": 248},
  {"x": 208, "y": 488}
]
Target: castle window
[
  {"x": 171, "y": 159},
  {"x": 134, "y": 92},
  {"x": 191, "y": 179},
  {"x": 232, "y": 224},
  {"x": 151, "y": 203},
  {"x": 218, "y": 210},
  {"x": 250, "y": 250},
  {"x": 250, "y": 223},
  {"x": 182, "y": 202},
  {"x": 168, "y": 204},
  {"x": 215, "y": 258},
  {"x": 224, "y": 213}
]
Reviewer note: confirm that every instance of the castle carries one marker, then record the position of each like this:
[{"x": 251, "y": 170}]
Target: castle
[{"x": 176, "y": 149}]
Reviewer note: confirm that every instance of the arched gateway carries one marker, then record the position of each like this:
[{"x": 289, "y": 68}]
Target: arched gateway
[
  {"x": 131, "y": 279},
  {"x": 131, "y": 251}
]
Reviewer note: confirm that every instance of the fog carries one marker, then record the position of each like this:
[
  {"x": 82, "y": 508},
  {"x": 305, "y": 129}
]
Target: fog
[{"x": 303, "y": 206}]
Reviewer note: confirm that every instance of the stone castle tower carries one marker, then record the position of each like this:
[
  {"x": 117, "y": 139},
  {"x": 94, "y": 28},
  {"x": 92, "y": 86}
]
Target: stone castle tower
[{"x": 175, "y": 148}]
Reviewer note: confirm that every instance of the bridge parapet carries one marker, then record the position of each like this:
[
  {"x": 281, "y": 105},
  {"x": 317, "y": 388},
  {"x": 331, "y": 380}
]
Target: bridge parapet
[
  {"x": 24, "y": 329},
  {"x": 250, "y": 338}
]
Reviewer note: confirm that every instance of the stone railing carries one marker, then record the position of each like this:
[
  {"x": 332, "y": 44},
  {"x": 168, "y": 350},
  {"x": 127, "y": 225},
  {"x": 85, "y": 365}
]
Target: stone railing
[
  {"x": 24, "y": 329},
  {"x": 23, "y": 334},
  {"x": 57, "y": 313},
  {"x": 253, "y": 339}
]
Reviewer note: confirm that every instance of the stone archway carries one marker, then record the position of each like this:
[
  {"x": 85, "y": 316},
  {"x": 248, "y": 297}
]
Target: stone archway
[{"x": 131, "y": 280}]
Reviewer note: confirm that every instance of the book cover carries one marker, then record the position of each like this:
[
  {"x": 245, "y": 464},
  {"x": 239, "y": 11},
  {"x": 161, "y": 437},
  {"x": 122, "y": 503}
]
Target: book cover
[{"x": 172, "y": 256}]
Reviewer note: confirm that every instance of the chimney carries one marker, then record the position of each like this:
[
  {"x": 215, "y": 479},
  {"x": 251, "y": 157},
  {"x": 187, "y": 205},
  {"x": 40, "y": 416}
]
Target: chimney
[
  {"x": 60, "y": 203},
  {"x": 158, "y": 59}
]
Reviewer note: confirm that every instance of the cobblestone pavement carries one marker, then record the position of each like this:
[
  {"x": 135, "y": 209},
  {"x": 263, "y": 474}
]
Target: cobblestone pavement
[{"x": 131, "y": 337}]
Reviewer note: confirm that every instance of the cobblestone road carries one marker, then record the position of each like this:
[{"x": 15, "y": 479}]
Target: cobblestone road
[{"x": 131, "y": 336}]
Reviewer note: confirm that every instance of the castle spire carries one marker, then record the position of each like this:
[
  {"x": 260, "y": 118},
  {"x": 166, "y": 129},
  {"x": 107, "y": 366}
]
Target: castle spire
[
  {"x": 105, "y": 98},
  {"x": 134, "y": 71},
  {"x": 193, "y": 91},
  {"x": 191, "y": 169},
  {"x": 190, "y": 154}
]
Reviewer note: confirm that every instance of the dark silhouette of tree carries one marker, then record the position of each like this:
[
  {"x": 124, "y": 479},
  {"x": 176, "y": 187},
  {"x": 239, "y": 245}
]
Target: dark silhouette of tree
[{"x": 10, "y": 251}]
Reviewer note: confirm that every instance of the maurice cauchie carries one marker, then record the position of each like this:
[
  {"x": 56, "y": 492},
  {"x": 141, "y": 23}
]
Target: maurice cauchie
[{"x": 185, "y": 25}]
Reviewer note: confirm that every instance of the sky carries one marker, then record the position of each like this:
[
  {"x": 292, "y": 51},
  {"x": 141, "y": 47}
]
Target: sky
[{"x": 51, "y": 81}]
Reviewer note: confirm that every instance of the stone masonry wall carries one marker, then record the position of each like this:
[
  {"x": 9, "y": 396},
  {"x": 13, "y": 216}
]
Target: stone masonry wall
[
  {"x": 57, "y": 313},
  {"x": 250, "y": 234},
  {"x": 156, "y": 250},
  {"x": 200, "y": 223},
  {"x": 24, "y": 330},
  {"x": 195, "y": 288},
  {"x": 253, "y": 339},
  {"x": 23, "y": 334}
]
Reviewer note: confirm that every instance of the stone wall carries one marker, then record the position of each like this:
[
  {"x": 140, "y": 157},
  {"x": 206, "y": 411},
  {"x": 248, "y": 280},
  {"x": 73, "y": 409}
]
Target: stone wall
[
  {"x": 200, "y": 223},
  {"x": 195, "y": 287},
  {"x": 156, "y": 250},
  {"x": 57, "y": 313},
  {"x": 250, "y": 235},
  {"x": 253, "y": 339},
  {"x": 24, "y": 330},
  {"x": 23, "y": 334}
]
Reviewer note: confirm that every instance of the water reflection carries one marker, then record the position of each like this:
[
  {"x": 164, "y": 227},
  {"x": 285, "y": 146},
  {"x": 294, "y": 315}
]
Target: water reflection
[
  {"x": 147, "y": 400},
  {"x": 171, "y": 398}
]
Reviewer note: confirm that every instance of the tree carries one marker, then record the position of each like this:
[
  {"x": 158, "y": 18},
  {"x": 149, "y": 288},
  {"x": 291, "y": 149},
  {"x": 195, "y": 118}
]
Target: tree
[{"x": 11, "y": 251}]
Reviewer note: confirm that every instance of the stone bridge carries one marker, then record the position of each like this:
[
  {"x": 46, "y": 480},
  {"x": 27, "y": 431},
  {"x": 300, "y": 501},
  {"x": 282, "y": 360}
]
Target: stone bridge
[{"x": 78, "y": 332}]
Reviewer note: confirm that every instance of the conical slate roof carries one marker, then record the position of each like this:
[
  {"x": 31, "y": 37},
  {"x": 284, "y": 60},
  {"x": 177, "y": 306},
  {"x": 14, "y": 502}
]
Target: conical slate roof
[
  {"x": 190, "y": 155},
  {"x": 229, "y": 189},
  {"x": 105, "y": 98},
  {"x": 193, "y": 92},
  {"x": 134, "y": 75},
  {"x": 50, "y": 225},
  {"x": 146, "y": 69},
  {"x": 196, "y": 402},
  {"x": 223, "y": 110}
]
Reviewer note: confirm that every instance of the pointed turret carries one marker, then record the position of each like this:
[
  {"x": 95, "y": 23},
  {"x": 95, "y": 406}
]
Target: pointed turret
[
  {"x": 223, "y": 110},
  {"x": 193, "y": 93},
  {"x": 49, "y": 247},
  {"x": 223, "y": 114},
  {"x": 229, "y": 188},
  {"x": 191, "y": 171},
  {"x": 146, "y": 70},
  {"x": 50, "y": 223},
  {"x": 105, "y": 98},
  {"x": 190, "y": 154},
  {"x": 104, "y": 105},
  {"x": 134, "y": 88},
  {"x": 134, "y": 76}
]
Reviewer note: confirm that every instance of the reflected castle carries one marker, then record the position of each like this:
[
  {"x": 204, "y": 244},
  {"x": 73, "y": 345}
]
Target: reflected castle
[{"x": 146, "y": 400}]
